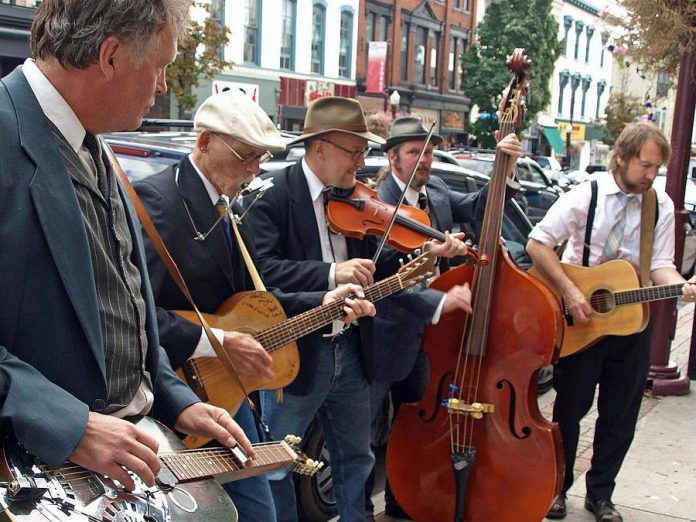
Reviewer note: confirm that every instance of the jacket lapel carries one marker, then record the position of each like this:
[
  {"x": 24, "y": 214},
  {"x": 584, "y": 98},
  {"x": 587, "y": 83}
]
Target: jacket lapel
[
  {"x": 204, "y": 215},
  {"x": 57, "y": 210},
  {"x": 303, "y": 208}
]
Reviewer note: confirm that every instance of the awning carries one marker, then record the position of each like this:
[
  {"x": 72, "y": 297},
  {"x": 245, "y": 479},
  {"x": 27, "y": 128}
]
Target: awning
[{"x": 554, "y": 139}]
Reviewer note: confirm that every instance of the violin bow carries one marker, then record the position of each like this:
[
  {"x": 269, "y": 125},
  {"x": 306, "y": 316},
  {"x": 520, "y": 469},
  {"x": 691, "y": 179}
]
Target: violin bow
[{"x": 399, "y": 203}]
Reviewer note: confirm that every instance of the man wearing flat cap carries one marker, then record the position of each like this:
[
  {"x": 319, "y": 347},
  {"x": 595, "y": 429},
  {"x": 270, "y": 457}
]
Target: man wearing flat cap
[
  {"x": 190, "y": 207},
  {"x": 406, "y": 139},
  {"x": 296, "y": 250}
]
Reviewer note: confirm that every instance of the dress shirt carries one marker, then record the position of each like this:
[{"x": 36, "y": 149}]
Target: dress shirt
[
  {"x": 66, "y": 121},
  {"x": 567, "y": 219},
  {"x": 333, "y": 246}
]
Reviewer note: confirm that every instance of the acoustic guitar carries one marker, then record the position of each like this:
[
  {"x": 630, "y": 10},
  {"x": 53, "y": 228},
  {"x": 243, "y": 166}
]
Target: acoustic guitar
[
  {"x": 618, "y": 302},
  {"x": 260, "y": 315},
  {"x": 187, "y": 487}
]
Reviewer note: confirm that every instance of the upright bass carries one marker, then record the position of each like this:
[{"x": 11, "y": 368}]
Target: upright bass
[{"x": 476, "y": 447}]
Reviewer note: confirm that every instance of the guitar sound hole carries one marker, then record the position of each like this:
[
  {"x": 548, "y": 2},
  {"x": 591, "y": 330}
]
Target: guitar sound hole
[{"x": 602, "y": 301}]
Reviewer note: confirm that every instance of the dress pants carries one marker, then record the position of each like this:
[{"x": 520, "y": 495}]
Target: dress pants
[
  {"x": 619, "y": 365},
  {"x": 340, "y": 399}
]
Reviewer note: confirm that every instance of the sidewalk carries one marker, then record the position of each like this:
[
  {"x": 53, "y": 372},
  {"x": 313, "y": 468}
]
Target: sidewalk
[{"x": 657, "y": 482}]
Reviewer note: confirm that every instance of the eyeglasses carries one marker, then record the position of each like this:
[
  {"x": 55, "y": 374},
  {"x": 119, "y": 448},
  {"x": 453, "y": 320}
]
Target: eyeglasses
[
  {"x": 355, "y": 155},
  {"x": 247, "y": 159}
]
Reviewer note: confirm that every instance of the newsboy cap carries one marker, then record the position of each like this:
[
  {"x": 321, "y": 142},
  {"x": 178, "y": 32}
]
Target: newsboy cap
[
  {"x": 336, "y": 114},
  {"x": 233, "y": 113},
  {"x": 408, "y": 128}
]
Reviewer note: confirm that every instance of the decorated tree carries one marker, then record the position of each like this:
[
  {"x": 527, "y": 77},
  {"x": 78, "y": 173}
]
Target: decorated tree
[
  {"x": 509, "y": 24},
  {"x": 653, "y": 34},
  {"x": 199, "y": 58}
]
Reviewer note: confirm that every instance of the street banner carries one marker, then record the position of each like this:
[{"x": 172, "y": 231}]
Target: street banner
[{"x": 376, "y": 67}]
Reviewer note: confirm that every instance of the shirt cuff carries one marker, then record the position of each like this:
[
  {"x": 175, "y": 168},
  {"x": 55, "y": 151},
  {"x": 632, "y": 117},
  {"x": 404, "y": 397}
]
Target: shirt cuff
[
  {"x": 204, "y": 348},
  {"x": 438, "y": 310},
  {"x": 332, "y": 277}
]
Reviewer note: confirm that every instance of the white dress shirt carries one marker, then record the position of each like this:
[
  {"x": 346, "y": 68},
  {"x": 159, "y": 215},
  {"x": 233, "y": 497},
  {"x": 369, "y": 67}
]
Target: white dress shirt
[{"x": 567, "y": 219}]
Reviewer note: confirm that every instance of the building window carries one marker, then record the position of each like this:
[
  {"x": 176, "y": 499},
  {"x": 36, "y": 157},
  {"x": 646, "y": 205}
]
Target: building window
[
  {"x": 384, "y": 29},
  {"x": 453, "y": 63},
  {"x": 371, "y": 18},
  {"x": 251, "y": 32},
  {"x": 662, "y": 88},
  {"x": 346, "y": 47},
  {"x": 405, "y": 28},
  {"x": 457, "y": 4},
  {"x": 419, "y": 58},
  {"x": 287, "y": 36},
  {"x": 434, "y": 45},
  {"x": 318, "y": 34}
]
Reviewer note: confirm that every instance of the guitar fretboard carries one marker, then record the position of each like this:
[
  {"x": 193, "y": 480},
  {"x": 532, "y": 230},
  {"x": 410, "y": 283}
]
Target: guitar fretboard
[
  {"x": 203, "y": 463},
  {"x": 286, "y": 332},
  {"x": 649, "y": 293}
]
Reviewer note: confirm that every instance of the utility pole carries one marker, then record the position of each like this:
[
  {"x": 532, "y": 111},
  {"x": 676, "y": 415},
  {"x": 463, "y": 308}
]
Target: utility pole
[{"x": 664, "y": 374}]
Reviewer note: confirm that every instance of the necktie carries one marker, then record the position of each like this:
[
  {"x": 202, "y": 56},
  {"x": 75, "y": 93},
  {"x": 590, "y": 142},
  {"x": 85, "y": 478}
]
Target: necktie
[
  {"x": 221, "y": 207},
  {"x": 611, "y": 246},
  {"x": 423, "y": 202},
  {"x": 92, "y": 145}
]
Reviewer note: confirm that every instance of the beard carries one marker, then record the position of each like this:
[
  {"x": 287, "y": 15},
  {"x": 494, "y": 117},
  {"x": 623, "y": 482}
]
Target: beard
[
  {"x": 420, "y": 179},
  {"x": 631, "y": 186}
]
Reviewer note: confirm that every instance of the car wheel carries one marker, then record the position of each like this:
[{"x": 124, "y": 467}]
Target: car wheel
[{"x": 316, "y": 501}]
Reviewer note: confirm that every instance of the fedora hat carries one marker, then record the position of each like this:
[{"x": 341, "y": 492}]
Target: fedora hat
[
  {"x": 408, "y": 128},
  {"x": 336, "y": 114}
]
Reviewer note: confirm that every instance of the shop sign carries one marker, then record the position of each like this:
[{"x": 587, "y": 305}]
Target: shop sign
[
  {"x": 578, "y": 130},
  {"x": 453, "y": 120},
  {"x": 315, "y": 89}
]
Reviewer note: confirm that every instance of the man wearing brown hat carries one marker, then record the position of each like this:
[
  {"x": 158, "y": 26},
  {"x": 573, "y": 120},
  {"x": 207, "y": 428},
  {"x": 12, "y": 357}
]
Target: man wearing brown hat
[
  {"x": 297, "y": 250},
  {"x": 408, "y": 380},
  {"x": 234, "y": 137}
]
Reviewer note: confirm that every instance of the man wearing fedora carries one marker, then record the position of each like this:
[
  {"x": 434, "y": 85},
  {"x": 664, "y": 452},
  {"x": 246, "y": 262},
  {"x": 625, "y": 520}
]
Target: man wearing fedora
[
  {"x": 408, "y": 380},
  {"x": 190, "y": 206},
  {"x": 297, "y": 250}
]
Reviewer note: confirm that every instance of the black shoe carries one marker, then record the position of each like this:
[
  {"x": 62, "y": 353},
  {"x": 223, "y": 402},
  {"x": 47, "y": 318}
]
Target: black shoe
[
  {"x": 394, "y": 510},
  {"x": 604, "y": 510},
  {"x": 558, "y": 508}
]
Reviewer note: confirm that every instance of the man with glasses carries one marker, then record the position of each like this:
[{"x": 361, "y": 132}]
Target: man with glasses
[
  {"x": 190, "y": 208},
  {"x": 296, "y": 250}
]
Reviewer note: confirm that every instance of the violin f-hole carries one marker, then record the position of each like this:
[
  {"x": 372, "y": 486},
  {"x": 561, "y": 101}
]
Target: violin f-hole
[
  {"x": 437, "y": 402},
  {"x": 512, "y": 413}
]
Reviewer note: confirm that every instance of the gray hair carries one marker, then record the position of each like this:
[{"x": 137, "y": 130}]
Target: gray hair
[{"x": 73, "y": 30}]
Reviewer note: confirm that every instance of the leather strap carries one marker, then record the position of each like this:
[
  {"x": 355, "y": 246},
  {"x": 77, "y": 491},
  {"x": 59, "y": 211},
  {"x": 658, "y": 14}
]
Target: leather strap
[
  {"x": 258, "y": 283},
  {"x": 171, "y": 266},
  {"x": 647, "y": 232}
]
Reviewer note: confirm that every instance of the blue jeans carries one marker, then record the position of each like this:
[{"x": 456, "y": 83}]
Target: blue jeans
[
  {"x": 252, "y": 496},
  {"x": 341, "y": 400}
]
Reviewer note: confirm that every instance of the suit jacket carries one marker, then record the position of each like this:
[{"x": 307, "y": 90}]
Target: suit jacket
[
  {"x": 289, "y": 254},
  {"x": 52, "y": 362},
  {"x": 212, "y": 272}
]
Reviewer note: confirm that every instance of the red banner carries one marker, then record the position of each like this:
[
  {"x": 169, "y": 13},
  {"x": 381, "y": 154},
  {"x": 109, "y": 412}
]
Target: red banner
[{"x": 376, "y": 67}]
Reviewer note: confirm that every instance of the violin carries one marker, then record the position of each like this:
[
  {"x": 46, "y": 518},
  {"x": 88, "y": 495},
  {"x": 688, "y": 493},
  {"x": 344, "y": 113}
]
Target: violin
[{"x": 362, "y": 213}]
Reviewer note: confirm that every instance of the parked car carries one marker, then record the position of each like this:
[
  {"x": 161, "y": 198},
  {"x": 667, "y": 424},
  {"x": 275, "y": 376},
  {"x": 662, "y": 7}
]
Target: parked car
[
  {"x": 550, "y": 165},
  {"x": 143, "y": 154},
  {"x": 539, "y": 191}
]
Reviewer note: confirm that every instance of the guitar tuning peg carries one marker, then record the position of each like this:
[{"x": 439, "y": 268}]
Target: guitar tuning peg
[
  {"x": 469, "y": 242},
  {"x": 401, "y": 261},
  {"x": 417, "y": 251},
  {"x": 409, "y": 257}
]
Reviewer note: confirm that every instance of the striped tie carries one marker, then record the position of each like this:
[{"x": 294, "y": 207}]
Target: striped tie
[{"x": 613, "y": 242}]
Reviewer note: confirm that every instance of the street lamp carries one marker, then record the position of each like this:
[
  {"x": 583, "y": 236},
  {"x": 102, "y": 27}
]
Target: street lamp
[
  {"x": 569, "y": 131},
  {"x": 394, "y": 99}
]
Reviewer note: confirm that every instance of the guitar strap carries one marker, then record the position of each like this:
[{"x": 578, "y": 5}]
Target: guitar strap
[
  {"x": 647, "y": 232},
  {"x": 173, "y": 269}
]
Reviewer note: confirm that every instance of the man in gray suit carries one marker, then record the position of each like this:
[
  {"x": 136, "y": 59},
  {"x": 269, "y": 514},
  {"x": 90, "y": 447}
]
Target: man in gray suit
[{"x": 78, "y": 333}]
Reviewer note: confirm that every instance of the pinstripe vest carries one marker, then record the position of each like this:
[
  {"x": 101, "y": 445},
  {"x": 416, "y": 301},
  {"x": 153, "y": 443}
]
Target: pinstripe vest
[{"x": 117, "y": 279}]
